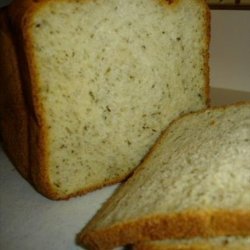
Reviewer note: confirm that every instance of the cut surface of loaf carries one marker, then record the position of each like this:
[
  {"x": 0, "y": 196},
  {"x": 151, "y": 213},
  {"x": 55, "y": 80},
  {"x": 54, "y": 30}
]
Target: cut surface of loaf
[
  {"x": 103, "y": 79},
  {"x": 217, "y": 243},
  {"x": 194, "y": 182}
]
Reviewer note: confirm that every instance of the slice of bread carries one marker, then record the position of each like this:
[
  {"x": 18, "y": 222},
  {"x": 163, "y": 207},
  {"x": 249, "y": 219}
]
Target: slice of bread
[
  {"x": 217, "y": 243},
  {"x": 102, "y": 80},
  {"x": 194, "y": 182}
]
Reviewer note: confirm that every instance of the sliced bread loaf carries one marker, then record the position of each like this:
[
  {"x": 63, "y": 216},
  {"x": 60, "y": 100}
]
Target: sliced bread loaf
[
  {"x": 217, "y": 243},
  {"x": 194, "y": 182},
  {"x": 102, "y": 79}
]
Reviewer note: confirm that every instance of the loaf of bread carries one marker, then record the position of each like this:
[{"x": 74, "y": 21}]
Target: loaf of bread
[
  {"x": 195, "y": 182},
  {"x": 217, "y": 243},
  {"x": 100, "y": 81}
]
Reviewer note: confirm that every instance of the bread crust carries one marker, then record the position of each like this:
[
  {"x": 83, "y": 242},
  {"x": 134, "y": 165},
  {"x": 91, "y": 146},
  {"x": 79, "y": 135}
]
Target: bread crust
[
  {"x": 204, "y": 246},
  {"x": 187, "y": 224},
  {"x": 157, "y": 227},
  {"x": 20, "y": 14},
  {"x": 13, "y": 112}
]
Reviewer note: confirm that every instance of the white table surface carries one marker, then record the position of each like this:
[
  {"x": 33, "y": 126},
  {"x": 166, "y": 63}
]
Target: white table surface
[{"x": 28, "y": 221}]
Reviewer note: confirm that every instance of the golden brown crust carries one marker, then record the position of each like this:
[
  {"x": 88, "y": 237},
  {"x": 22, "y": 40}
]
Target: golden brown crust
[
  {"x": 155, "y": 246},
  {"x": 180, "y": 246},
  {"x": 13, "y": 112},
  {"x": 180, "y": 225},
  {"x": 20, "y": 15}
]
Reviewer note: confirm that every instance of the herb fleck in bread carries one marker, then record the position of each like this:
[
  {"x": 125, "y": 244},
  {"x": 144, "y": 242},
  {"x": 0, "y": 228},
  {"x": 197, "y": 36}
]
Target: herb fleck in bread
[
  {"x": 102, "y": 80},
  {"x": 194, "y": 182},
  {"x": 217, "y": 243}
]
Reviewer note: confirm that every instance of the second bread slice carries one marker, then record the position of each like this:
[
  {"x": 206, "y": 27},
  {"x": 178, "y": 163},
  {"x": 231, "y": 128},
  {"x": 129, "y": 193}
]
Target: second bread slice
[{"x": 195, "y": 182}]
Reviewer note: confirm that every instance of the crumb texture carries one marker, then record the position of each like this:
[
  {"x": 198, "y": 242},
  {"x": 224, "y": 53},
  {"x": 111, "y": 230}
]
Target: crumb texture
[{"x": 111, "y": 75}]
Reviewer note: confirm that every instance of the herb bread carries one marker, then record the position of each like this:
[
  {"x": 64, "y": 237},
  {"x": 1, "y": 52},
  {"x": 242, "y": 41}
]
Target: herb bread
[
  {"x": 217, "y": 243},
  {"x": 194, "y": 182},
  {"x": 102, "y": 79}
]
